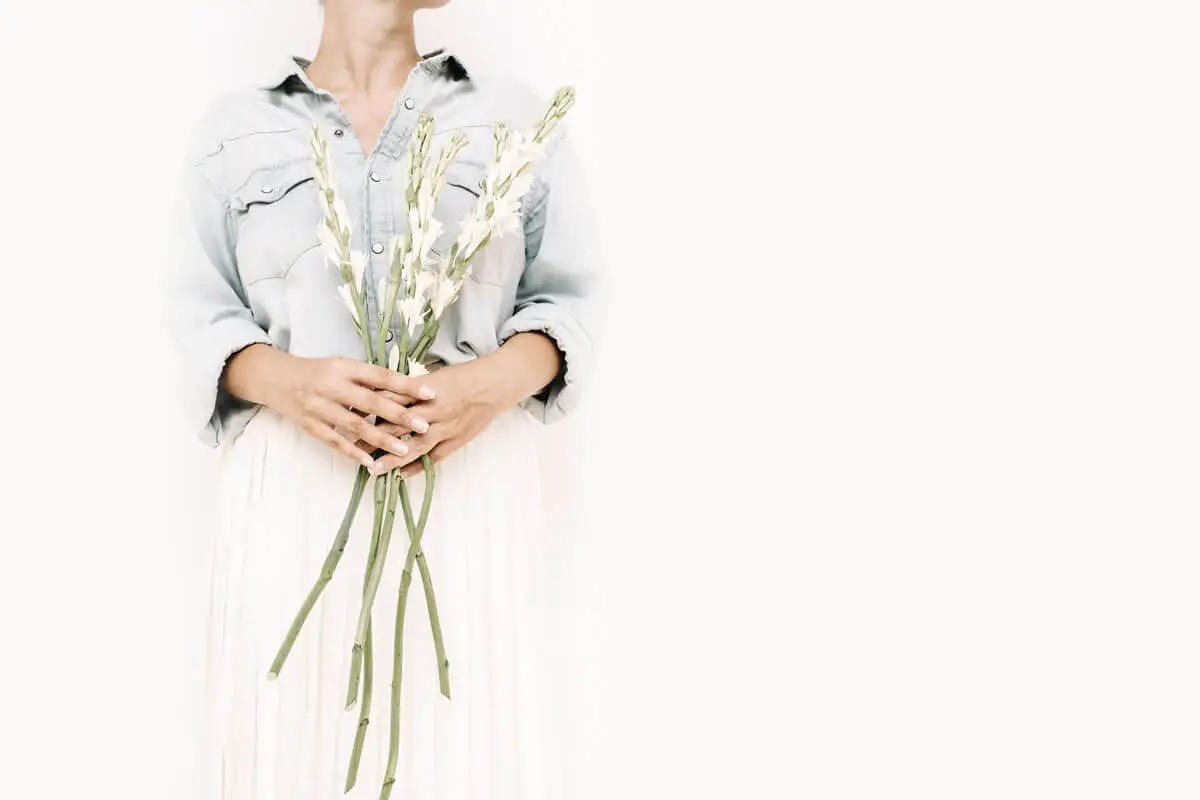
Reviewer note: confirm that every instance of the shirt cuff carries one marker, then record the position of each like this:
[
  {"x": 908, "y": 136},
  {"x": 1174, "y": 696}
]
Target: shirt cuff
[
  {"x": 217, "y": 415},
  {"x": 563, "y": 394}
]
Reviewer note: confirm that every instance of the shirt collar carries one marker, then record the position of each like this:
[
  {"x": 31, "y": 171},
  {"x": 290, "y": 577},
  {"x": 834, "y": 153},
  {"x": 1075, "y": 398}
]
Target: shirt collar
[{"x": 439, "y": 64}]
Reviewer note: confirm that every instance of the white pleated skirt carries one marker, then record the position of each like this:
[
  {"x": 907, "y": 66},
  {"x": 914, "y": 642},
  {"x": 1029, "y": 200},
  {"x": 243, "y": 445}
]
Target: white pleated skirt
[{"x": 282, "y": 498}]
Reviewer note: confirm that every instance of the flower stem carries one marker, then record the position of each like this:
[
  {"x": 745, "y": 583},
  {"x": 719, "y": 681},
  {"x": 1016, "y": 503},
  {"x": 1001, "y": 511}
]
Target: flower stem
[
  {"x": 368, "y": 672},
  {"x": 356, "y": 654},
  {"x": 424, "y": 341},
  {"x": 389, "y": 779},
  {"x": 327, "y": 570},
  {"x": 374, "y": 575},
  {"x": 435, "y": 623},
  {"x": 360, "y": 301}
]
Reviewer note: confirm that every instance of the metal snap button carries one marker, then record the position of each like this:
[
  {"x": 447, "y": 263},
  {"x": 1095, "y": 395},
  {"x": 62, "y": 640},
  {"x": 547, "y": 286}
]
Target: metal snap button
[
  {"x": 268, "y": 189},
  {"x": 410, "y": 104},
  {"x": 377, "y": 248},
  {"x": 389, "y": 336},
  {"x": 339, "y": 133},
  {"x": 376, "y": 177}
]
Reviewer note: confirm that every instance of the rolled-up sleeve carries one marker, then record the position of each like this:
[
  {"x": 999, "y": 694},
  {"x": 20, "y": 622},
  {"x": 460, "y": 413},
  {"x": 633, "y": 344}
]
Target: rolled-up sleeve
[
  {"x": 206, "y": 311},
  {"x": 558, "y": 291}
]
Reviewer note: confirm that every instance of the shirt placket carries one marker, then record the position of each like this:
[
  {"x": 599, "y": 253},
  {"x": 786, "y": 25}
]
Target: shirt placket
[
  {"x": 382, "y": 187},
  {"x": 375, "y": 181}
]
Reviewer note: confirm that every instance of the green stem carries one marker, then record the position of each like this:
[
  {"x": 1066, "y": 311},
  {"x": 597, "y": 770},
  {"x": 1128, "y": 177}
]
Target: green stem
[
  {"x": 382, "y": 485},
  {"x": 368, "y": 679},
  {"x": 435, "y": 623},
  {"x": 327, "y": 570},
  {"x": 404, "y": 341},
  {"x": 425, "y": 341},
  {"x": 372, "y": 589},
  {"x": 385, "y": 322},
  {"x": 389, "y": 779},
  {"x": 360, "y": 301}
]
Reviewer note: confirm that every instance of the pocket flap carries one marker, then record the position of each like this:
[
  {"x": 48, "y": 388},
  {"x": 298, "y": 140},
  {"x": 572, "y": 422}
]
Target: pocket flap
[
  {"x": 269, "y": 185},
  {"x": 466, "y": 175}
]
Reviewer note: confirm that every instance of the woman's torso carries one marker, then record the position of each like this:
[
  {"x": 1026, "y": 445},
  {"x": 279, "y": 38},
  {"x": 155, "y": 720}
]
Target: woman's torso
[{"x": 254, "y": 149}]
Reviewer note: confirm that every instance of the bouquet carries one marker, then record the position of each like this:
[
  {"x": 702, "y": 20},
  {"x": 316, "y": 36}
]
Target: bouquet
[{"x": 420, "y": 286}]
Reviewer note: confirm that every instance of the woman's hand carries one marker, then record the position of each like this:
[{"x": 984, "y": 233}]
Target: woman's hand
[
  {"x": 466, "y": 403},
  {"x": 329, "y": 398},
  {"x": 469, "y": 396}
]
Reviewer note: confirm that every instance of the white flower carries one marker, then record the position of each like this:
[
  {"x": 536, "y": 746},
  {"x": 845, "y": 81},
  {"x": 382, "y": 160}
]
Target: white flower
[
  {"x": 432, "y": 232},
  {"x": 395, "y": 246},
  {"x": 348, "y": 301},
  {"x": 443, "y": 295},
  {"x": 425, "y": 282},
  {"x": 416, "y": 231},
  {"x": 416, "y": 369},
  {"x": 425, "y": 197},
  {"x": 358, "y": 265},
  {"x": 493, "y": 178},
  {"x": 505, "y": 222},
  {"x": 518, "y": 188},
  {"x": 473, "y": 231},
  {"x": 410, "y": 265},
  {"x": 531, "y": 151},
  {"x": 511, "y": 160},
  {"x": 330, "y": 245},
  {"x": 411, "y": 309},
  {"x": 341, "y": 213},
  {"x": 394, "y": 358}
]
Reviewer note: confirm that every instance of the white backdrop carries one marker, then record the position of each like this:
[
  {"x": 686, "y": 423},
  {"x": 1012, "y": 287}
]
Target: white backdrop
[{"x": 888, "y": 485}]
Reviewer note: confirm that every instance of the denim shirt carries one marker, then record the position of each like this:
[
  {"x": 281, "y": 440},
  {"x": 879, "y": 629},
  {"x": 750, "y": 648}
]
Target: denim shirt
[{"x": 248, "y": 267}]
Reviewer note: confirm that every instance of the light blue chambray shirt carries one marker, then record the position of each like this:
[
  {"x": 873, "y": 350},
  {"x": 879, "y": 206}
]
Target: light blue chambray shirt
[{"x": 248, "y": 267}]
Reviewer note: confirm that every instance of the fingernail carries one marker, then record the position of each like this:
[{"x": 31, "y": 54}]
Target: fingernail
[
  {"x": 399, "y": 448},
  {"x": 420, "y": 425},
  {"x": 426, "y": 393}
]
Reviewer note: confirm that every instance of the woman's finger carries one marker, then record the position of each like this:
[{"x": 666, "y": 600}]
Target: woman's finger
[
  {"x": 399, "y": 431},
  {"x": 377, "y": 377},
  {"x": 418, "y": 446},
  {"x": 399, "y": 399},
  {"x": 338, "y": 442},
  {"x": 355, "y": 427},
  {"x": 362, "y": 399}
]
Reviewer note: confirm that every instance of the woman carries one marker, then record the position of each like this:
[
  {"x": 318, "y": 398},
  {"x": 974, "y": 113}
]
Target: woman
[{"x": 274, "y": 374}]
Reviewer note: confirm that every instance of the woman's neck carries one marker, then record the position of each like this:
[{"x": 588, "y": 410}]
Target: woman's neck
[{"x": 366, "y": 46}]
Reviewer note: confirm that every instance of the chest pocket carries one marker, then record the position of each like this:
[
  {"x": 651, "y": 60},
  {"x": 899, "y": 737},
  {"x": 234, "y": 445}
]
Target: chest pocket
[
  {"x": 464, "y": 185},
  {"x": 278, "y": 212}
]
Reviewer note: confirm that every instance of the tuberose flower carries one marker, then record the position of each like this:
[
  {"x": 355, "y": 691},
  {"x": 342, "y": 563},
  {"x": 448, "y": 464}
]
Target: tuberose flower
[
  {"x": 411, "y": 309},
  {"x": 348, "y": 301},
  {"x": 358, "y": 265},
  {"x": 443, "y": 295}
]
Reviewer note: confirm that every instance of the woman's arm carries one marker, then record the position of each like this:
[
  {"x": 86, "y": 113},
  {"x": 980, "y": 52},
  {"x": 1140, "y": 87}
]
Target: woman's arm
[
  {"x": 227, "y": 361},
  {"x": 328, "y": 398}
]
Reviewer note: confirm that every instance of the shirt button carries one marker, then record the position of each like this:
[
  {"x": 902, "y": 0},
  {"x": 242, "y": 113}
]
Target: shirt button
[
  {"x": 410, "y": 104},
  {"x": 339, "y": 133},
  {"x": 375, "y": 177},
  {"x": 268, "y": 189},
  {"x": 377, "y": 248},
  {"x": 389, "y": 336}
]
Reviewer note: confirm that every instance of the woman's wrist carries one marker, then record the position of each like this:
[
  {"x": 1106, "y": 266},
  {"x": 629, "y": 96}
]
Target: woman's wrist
[
  {"x": 258, "y": 374},
  {"x": 525, "y": 365}
]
